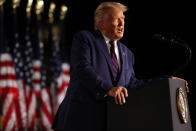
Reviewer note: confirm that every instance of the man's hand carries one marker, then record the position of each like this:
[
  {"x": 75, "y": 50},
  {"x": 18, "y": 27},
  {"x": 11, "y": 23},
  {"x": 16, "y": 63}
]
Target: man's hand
[
  {"x": 186, "y": 83},
  {"x": 119, "y": 94}
]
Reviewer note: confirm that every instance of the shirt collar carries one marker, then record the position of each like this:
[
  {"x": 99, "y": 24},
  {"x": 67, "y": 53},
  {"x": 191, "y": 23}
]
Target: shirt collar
[{"x": 107, "y": 39}]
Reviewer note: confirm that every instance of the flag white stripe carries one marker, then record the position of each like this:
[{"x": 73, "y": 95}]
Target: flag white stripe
[
  {"x": 36, "y": 75},
  {"x": 7, "y": 70},
  {"x": 11, "y": 122},
  {"x": 22, "y": 103},
  {"x": 46, "y": 123},
  {"x": 61, "y": 95},
  {"x": 46, "y": 99},
  {"x": 8, "y": 83},
  {"x": 65, "y": 66},
  {"x": 37, "y": 87},
  {"x": 32, "y": 108},
  {"x": 27, "y": 90},
  {"x": 63, "y": 78},
  {"x": 5, "y": 57},
  {"x": 8, "y": 100},
  {"x": 37, "y": 63},
  {"x": 12, "y": 119}
]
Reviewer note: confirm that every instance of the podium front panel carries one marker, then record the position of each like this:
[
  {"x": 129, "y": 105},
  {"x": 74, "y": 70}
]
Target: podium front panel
[{"x": 152, "y": 108}]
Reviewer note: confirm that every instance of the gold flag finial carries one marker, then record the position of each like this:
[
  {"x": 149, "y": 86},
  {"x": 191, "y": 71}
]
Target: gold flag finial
[
  {"x": 29, "y": 6},
  {"x": 39, "y": 7},
  {"x": 1, "y": 2},
  {"x": 51, "y": 12},
  {"x": 15, "y": 3},
  {"x": 63, "y": 12}
]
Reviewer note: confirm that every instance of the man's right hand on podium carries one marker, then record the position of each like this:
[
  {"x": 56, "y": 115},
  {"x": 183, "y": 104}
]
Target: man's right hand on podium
[{"x": 119, "y": 94}]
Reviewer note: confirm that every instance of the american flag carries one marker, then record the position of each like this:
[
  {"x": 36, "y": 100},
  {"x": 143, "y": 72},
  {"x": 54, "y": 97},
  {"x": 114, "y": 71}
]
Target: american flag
[
  {"x": 8, "y": 84},
  {"x": 20, "y": 103},
  {"x": 63, "y": 83},
  {"x": 64, "y": 76},
  {"x": 55, "y": 66},
  {"x": 46, "y": 109},
  {"x": 43, "y": 95},
  {"x": 28, "y": 73}
]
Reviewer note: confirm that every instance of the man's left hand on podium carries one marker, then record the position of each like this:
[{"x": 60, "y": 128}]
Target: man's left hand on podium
[{"x": 119, "y": 94}]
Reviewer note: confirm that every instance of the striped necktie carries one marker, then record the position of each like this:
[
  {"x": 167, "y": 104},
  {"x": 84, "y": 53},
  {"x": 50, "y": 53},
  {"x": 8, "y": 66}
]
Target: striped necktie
[{"x": 115, "y": 65}]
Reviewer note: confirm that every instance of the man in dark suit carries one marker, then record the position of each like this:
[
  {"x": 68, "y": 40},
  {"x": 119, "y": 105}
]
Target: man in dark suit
[{"x": 101, "y": 66}]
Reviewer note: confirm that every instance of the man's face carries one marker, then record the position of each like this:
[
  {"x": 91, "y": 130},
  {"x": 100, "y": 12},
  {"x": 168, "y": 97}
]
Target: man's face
[{"x": 112, "y": 24}]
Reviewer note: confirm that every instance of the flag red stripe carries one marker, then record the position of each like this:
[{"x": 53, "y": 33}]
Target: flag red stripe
[
  {"x": 36, "y": 81},
  {"x": 32, "y": 125},
  {"x": 13, "y": 90},
  {"x": 8, "y": 76},
  {"x": 46, "y": 112},
  {"x": 24, "y": 89},
  {"x": 66, "y": 72},
  {"x": 29, "y": 98},
  {"x": 64, "y": 84},
  {"x": 8, "y": 114},
  {"x": 38, "y": 94},
  {"x": 6, "y": 63},
  {"x": 14, "y": 128},
  {"x": 36, "y": 69},
  {"x": 18, "y": 114},
  {"x": 8, "y": 88}
]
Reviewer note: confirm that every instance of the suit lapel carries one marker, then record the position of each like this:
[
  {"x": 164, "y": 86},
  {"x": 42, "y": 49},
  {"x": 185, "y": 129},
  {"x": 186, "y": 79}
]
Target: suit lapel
[
  {"x": 104, "y": 49},
  {"x": 122, "y": 60}
]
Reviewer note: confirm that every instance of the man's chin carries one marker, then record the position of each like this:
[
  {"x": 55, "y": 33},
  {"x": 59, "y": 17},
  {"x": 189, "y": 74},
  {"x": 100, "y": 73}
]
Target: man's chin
[{"x": 119, "y": 36}]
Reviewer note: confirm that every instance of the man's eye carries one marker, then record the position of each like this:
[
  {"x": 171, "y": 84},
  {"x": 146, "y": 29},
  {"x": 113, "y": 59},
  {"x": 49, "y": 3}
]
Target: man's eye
[{"x": 115, "y": 19}]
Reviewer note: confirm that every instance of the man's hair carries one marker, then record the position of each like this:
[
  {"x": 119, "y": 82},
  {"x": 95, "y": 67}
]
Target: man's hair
[{"x": 105, "y": 6}]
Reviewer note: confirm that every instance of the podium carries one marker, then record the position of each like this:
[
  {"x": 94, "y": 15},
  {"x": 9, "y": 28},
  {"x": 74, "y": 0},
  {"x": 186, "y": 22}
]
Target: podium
[{"x": 160, "y": 106}]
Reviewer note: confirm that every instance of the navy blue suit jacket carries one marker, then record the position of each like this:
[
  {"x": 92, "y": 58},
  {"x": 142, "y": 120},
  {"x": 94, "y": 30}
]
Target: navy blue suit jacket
[{"x": 84, "y": 106}]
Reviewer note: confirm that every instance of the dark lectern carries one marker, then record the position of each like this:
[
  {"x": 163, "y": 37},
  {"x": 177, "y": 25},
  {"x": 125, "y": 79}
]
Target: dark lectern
[{"x": 161, "y": 106}]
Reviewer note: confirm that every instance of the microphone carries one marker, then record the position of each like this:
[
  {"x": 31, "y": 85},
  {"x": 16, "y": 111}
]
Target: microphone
[
  {"x": 172, "y": 40},
  {"x": 177, "y": 42},
  {"x": 159, "y": 37}
]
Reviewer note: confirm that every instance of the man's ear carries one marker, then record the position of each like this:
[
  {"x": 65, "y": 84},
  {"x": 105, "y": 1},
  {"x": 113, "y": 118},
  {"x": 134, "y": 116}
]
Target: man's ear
[{"x": 101, "y": 25}]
